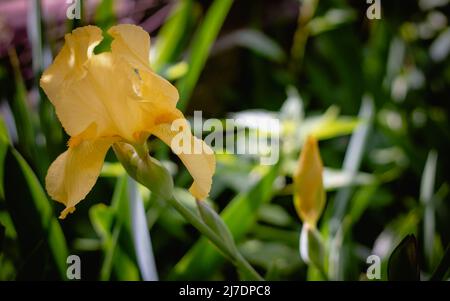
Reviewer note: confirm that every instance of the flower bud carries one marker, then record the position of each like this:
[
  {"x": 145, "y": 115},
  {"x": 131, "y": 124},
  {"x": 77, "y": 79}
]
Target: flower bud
[{"x": 309, "y": 194}]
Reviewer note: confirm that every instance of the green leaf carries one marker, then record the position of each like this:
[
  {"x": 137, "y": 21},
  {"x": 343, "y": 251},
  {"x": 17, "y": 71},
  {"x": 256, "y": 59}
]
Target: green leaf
[
  {"x": 239, "y": 216},
  {"x": 426, "y": 197},
  {"x": 141, "y": 234},
  {"x": 22, "y": 112},
  {"x": 353, "y": 157},
  {"x": 331, "y": 20},
  {"x": 270, "y": 254},
  {"x": 39, "y": 232},
  {"x": 275, "y": 215},
  {"x": 330, "y": 125},
  {"x": 115, "y": 232},
  {"x": 443, "y": 267},
  {"x": 403, "y": 263},
  {"x": 254, "y": 40},
  {"x": 312, "y": 249},
  {"x": 200, "y": 47},
  {"x": 2, "y": 236},
  {"x": 4, "y": 143},
  {"x": 105, "y": 18}
]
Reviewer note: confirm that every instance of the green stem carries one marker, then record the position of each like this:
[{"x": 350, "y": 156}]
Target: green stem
[{"x": 237, "y": 259}]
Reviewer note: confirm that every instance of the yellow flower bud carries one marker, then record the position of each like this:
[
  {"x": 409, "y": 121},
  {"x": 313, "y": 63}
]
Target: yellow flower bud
[{"x": 309, "y": 194}]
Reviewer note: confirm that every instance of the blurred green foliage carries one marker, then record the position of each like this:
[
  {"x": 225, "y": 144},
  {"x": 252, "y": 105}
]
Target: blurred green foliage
[{"x": 375, "y": 92}]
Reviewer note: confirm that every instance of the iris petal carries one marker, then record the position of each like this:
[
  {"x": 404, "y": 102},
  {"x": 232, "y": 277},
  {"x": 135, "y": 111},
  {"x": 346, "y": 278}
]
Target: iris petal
[{"x": 199, "y": 159}]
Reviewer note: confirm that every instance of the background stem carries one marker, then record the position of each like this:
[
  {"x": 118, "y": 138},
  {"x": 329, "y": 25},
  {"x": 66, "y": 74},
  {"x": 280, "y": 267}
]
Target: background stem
[{"x": 238, "y": 260}]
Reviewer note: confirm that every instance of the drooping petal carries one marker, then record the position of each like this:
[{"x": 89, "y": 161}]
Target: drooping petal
[
  {"x": 195, "y": 154},
  {"x": 73, "y": 174},
  {"x": 67, "y": 67},
  {"x": 309, "y": 193},
  {"x": 132, "y": 44}
]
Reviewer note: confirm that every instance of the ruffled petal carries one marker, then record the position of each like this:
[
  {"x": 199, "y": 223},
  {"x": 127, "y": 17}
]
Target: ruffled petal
[
  {"x": 195, "y": 154},
  {"x": 132, "y": 44},
  {"x": 156, "y": 88},
  {"x": 68, "y": 67}
]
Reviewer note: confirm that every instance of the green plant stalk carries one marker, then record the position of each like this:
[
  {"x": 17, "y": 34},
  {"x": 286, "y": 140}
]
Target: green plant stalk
[
  {"x": 237, "y": 259},
  {"x": 201, "y": 45}
]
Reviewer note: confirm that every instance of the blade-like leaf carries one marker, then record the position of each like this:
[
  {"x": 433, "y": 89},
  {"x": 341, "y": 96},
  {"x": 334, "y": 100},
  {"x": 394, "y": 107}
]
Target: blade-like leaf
[
  {"x": 201, "y": 45},
  {"x": 141, "y": 234},
  {"x": 170, "y": 35},
  {"x": 38, "y": 231}
]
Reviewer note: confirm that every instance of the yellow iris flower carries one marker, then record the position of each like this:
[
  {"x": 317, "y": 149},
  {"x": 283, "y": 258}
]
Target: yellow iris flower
[
  {"x": 107, "y": 98},
  {"x": 309, "y": 194}
]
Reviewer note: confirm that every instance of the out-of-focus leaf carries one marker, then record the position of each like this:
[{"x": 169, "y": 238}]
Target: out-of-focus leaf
[
  {"x": 105, "y": 18},
  {"x": 176, "y": 71},
  {"x": 232, "y": 172},
  {"x": 426, "y": 197},
  {"x": 332, "y": 179},
  {"x": 200, "y": 47},
  {"x": 403, "y": 263},
  {"x": 329, "y": 125},
  {"x": 331, "y": 20},
  {"x": 104, "y": 14},
  {"x": 112, "y": 170},
  {"x": 443, "y": 267},
  {"x": 5, "y": 220},
  {"x": 239, "y": 216},
  {"x": 141, "y": 234},
  {"x": 361, "y": 201},
  {"x": 2, "y": 236},
  {"x": 22, "y": 113},
  {"x": 171, "y": 34},
  {"x": 266, "y": 254},
  {"x": 395, "y": 231},
  {"x": 38, "y": 231},
  {"x": 275, "y": 215},
  {"x": 268, "y": 233},
  {"x": 113, "y": 226},
  {"x": 102, "y": 219},
  {"x": 4, "y": 143},
  {"x": 292, "y": 108},
  {"x": 353, "y": 157}
]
